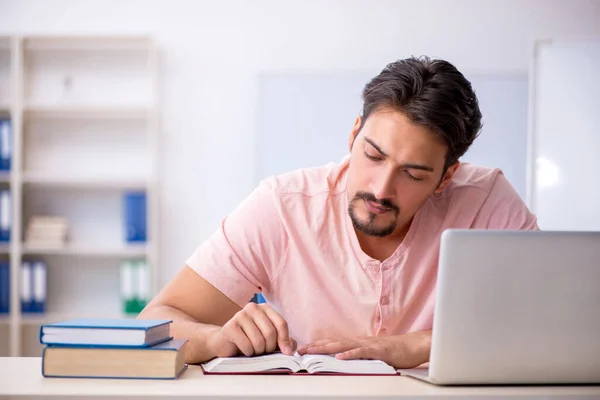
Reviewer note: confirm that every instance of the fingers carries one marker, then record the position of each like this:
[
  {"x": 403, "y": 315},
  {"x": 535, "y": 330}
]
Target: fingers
[
  {"x": 294, "y": 344},
  {"x": 357, "y": 353},
  {"x": 303, "y": 350},
  {"x": 237, "y": 336},
  {"x": 333, "y": 347},
  {"x": 285, "y": 343},
  {"x": 253, "y": 333},
  {"x": 259, "y": 329},
  {"x": 267, "y": 330}
]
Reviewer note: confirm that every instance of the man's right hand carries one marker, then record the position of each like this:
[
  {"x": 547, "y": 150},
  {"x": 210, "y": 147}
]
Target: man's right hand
[{"x": 256, "y": 329}]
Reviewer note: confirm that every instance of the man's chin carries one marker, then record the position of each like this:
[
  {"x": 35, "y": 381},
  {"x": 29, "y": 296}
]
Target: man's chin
[
  {"x": 374, "y": 230},
  {"x": 372, "y": 224}
]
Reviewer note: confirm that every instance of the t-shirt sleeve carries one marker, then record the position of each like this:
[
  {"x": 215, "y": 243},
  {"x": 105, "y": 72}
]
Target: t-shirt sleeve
[
  {"x": 504, "y": 209},
  {"x": 243, "y": 256}
]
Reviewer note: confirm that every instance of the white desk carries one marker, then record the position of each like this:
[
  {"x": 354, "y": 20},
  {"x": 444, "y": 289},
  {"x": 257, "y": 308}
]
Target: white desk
[{"x": 23, "y": 377}]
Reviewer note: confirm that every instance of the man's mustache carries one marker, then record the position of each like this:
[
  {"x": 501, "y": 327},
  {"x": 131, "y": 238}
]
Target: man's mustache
[{"x": 371, "y": 197}]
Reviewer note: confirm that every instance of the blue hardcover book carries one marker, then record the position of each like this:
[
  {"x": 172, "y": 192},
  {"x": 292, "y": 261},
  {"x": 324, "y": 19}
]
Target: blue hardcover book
[
  {"x": 5, "y": 144},
  {"x": 135, "y": 216},
  {"x": 106, "y": 332},
  {"x": 161, "y": 361},
  {"x": 4, "y": 287}
]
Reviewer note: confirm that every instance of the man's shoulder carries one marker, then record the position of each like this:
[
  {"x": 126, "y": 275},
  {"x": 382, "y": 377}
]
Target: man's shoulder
[
  {"x": 472, "y": 177},
  {"x": 310, "y": 182}
]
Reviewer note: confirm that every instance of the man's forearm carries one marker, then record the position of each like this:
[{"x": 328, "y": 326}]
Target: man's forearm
[
  {"x": 424, "y": 347},
  {"x": 185, "y": 327}
]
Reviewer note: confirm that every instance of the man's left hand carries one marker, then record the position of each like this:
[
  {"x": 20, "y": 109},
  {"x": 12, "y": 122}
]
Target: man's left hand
[{"x": 401, "y": 351}]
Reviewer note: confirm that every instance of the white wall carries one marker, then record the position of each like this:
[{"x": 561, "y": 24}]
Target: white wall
[{"x": 213, "y": 50}]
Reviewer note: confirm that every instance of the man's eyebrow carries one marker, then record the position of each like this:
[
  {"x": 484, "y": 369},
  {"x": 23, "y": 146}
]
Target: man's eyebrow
[
  {"x": 405, "y": 166},
  {"x": 372, "y": 143},
  {"x": 417, "y": 166}
]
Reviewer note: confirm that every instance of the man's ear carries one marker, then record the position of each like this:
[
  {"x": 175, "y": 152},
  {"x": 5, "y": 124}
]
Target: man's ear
[
  {"x": 354, "y": 132},
  {"x": 447, "y": 178}
]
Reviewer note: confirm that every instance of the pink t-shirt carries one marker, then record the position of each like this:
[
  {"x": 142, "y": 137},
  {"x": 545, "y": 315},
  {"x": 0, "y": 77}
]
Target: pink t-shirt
[{"x": 293, "y": 240}]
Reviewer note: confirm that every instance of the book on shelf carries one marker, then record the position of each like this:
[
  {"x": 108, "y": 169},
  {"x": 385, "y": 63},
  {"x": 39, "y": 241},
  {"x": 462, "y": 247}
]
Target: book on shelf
[
  {"x": 135, "y": 205},
  {"x": 46, "y": 231},
  {"x": 296, "y": 364},
  {"x": 4, "y": 287},
  {"x": 135, "y": 286},
  {"x": 5, "y": 215},
  {"x": 160, "y": 361},
  {"x": 6, "y": 133},
  {"x": 106, "y": 332},
  {"x": 33, "y": 281}
]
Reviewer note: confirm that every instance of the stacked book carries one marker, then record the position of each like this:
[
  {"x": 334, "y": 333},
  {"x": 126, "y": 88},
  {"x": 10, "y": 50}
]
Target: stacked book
[
  {"x": 46, "y": 231},
  {"x": 111, "y": 348}
]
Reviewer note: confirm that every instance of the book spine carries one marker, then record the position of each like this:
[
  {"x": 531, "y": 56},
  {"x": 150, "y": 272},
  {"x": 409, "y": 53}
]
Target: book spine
[
  {"x": 39, "y": 287},
  {"x": 142, "y": 292},
  {"x": 4, "y": 287},
  {"x": 135, "y": 217},
  {"x": 5, "y": 144},
  {"x": 128, "y": 287},
  {"x": 5, "y": 215},
  {"x": 26, "y": 287}
]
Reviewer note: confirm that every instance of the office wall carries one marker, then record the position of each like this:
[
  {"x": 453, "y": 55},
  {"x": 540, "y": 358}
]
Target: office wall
[
  {"x": 213, "y": 51},
  {"x": 324, "y": 106}
]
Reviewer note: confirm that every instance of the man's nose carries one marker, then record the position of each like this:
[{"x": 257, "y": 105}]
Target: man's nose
[{"x": 383, "y": 186}]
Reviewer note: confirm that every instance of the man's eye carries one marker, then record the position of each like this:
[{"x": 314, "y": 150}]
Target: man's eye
[
  {"x": 372, "y": 157},
  {"x": 412, "y": 177}
]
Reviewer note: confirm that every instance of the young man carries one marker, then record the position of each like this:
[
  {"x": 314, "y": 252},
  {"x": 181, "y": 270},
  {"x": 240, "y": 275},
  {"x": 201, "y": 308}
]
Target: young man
[{"x": 346, "y": 254}]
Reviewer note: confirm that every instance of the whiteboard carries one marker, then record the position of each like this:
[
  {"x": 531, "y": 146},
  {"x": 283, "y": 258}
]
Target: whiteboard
[
  {"x": 564, "y": 181},
  {"x": 304, "y": 119}
]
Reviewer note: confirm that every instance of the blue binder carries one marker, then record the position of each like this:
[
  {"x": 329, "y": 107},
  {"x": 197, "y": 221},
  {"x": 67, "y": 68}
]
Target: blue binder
[
  {"x": 5, "y": 144},
  {"x": 25, "y": 280},
  {"x": 5, "y": 215},
  {"x": 135, "y": 217},
  {"x": 38, "y": 289},
  {"x": 33, "y": 286},
  {"x": 4, "y": 287}
]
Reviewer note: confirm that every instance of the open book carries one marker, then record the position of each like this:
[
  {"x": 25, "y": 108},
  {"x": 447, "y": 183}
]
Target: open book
[{"x": 308, "y": 363}]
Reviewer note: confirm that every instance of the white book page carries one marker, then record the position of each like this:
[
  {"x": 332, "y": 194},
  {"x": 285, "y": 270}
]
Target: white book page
[
  {"x": 325, "y": 363},
  {"x": 253, "y": 364}
]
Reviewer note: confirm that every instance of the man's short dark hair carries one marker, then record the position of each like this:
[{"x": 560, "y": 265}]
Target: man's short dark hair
[{"x": 431, "y": 93}]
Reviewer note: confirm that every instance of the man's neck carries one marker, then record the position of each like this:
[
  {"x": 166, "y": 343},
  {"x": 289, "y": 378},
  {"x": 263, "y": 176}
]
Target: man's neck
[{"x": 382, "y": 248}]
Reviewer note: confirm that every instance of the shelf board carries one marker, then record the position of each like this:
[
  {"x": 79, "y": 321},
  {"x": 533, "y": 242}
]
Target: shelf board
[
  {"x": 88, "y": 43},
  {"x": 50, "y": 317},
  {"x": 57, "y": 111},
  {"x": 4, "y": 319},
  {"x": 75, "y": 249},
  {"x": 4, "y": 248},
  {"x": 83, "y": 182}
]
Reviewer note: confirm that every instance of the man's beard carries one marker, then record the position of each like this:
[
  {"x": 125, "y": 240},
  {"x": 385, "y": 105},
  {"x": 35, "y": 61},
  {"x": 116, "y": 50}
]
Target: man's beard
[{"x": 369, "y": 227}]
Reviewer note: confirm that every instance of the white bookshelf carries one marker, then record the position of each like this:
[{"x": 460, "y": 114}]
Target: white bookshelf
[
  {"x": 85, "y": 131},
  {"x": 79, "y": 181},
  {"x": 74, "y": 111}
]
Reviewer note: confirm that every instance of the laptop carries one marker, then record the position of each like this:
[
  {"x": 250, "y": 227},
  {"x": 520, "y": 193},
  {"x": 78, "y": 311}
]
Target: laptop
[{"x": 516, "y": 307}]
